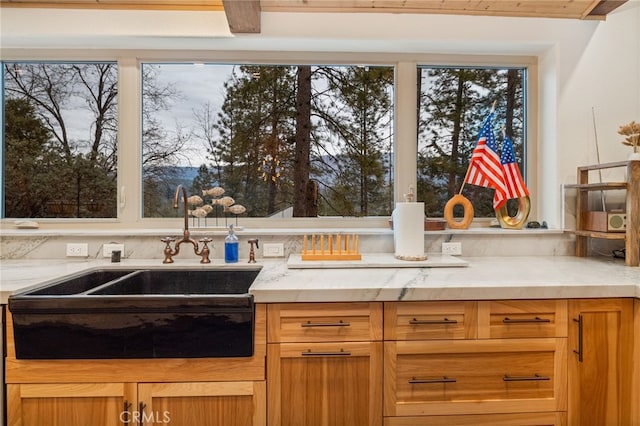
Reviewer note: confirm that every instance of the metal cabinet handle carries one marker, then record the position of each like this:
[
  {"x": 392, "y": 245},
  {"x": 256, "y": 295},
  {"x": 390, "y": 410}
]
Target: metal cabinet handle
[
  {"x": 342, "y": 352},
  {"x": 508, "y": 320},
  {"x": 535, "y": 377},
  {"x": 141, "y": 408},
  {"x": 444, "y": 379},
  {"x": 442, "y": 321},
  {"x": 579, "y": 352},
  {"x": 326, "y": 324},
  {"x": 125, "y": 412}
]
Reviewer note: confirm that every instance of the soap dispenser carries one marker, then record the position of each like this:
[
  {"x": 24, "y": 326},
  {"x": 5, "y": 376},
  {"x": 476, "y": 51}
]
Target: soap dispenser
[{"x": 231, "y": 247}]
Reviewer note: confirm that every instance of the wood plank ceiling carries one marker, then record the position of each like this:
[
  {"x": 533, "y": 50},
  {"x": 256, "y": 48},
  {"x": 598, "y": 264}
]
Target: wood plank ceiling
[{"x": 244, "y": 15}]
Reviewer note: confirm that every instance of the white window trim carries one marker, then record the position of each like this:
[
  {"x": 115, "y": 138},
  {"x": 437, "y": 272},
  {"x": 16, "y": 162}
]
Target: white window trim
[{"x": 130, "y": 189}]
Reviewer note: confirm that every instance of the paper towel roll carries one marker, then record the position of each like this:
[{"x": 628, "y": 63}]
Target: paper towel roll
[{"x": 408, "y": 231}]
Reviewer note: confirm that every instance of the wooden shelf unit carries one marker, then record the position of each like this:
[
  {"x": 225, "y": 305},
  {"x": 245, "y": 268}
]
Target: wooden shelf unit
[{"x": 632, "y": 187}]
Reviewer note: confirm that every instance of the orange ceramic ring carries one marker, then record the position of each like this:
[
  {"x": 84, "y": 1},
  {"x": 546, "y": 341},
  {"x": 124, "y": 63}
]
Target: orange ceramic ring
[
  {"x": 458, "y": 199},
  {"x": 517, "y": 221}
]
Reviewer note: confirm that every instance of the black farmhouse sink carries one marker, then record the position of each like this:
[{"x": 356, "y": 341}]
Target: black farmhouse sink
[{"x": 153, "y": 313}]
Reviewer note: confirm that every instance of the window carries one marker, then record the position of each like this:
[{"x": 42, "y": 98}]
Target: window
[
  {"x": 60, "y": 139},
  {"x": 241, "y": 125},
  {"x": 282, "y": 140},
  {"x": 453, "y": 104}
]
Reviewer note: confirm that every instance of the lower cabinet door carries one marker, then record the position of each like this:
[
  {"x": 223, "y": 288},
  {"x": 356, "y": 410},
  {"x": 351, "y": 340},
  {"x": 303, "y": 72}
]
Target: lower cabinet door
[
  {"x": 71, "y": 404},
  {"x": 325, "y": 384},
  {"x": 518, "y": 419},
  {"x": 601, "y": 366},
  {"x": 475, "y": 377},
  {"x": 202, "y": 404}
]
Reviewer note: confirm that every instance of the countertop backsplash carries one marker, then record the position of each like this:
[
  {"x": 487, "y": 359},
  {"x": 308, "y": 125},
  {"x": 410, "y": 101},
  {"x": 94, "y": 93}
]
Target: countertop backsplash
[{"x": 16, "y": 245}]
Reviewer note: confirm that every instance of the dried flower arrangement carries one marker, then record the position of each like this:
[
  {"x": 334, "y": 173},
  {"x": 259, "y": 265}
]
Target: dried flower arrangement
[{"x": 632, "y": 133}]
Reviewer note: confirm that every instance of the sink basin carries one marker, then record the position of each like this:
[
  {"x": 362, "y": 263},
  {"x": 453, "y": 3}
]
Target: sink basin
[
  {"x": 152, "y": 313},
  {"x": 78, "y": 283},
  {"x": 180, "y": 282}
]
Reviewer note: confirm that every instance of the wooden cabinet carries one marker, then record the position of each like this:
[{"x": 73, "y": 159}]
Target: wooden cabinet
[
  {"x": 109, "y": 404},
  {"x": 178, "y": 392},
  {"x": 324, "y": 364},
  {"x": 636, "y": 362},
  {"x": 69, "y": 404},
  {"x": 600, "y": 362},
  {"x": 519, "y": 419},
  {"x": 203, "y": 403},
  {"x": 631, "y": 232},
  {"x": 514, "y": 319},
  {"x": 430, "y": 320},
  {"x": 474, "y": 377},
  {"x": 500, "y": 362},
  {"x": 455, "y": 362}
]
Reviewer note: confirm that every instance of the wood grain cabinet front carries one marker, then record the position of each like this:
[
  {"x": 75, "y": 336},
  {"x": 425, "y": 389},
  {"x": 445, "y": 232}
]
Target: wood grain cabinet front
[
  {"x": 475, "y": 362},
  {"x": 150, "y": 404},
  {"x": 202, "y": 404},
  {"x": 324, "y": 322},
  {"x": 517, "y": 419},
  {"x": 324, "y": 364},
  {"x": 601, "y": 368},
  {"x": 513, "y": 319},
  {"x": 430, "y": 320},
  {"x": 474, "y": 377},
  {"x": 70, "y": 404}
]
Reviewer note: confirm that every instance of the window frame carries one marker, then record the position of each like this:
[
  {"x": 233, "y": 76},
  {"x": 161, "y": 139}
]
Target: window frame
[{"x": 130, "y": 187}]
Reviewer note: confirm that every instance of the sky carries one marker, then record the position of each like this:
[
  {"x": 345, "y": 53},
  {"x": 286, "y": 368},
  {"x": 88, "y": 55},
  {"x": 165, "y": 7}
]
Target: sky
[{"x": 197, "y": 84}]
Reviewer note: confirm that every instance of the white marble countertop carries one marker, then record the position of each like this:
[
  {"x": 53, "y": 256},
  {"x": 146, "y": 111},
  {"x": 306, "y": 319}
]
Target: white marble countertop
[{"x": 483, "y": 278}]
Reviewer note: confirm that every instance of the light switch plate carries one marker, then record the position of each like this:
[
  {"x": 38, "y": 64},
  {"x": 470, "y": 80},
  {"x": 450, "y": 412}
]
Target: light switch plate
[{"x": 273, "y": 250}]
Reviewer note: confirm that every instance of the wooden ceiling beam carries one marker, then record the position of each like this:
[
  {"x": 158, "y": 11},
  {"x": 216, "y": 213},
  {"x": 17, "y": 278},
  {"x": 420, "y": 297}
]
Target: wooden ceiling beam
[
  {"x": 604, "y": 7},
  {"x": 243, "y": 16}
]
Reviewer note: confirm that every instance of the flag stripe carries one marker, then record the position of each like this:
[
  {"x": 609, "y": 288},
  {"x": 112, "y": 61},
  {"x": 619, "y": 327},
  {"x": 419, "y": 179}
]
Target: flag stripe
[
  {"x": 485, "y": 168},
  {"x": 514, "y": 183}
]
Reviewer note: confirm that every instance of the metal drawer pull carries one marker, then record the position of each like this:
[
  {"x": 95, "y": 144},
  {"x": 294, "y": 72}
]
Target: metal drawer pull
[
  {"x": 444, "y": 379},
  {"x": 141, "y": 408},
  {"x": 579, "y": 352},
  {"x": 325, "y": 324},
  {"x": 535, "y": 377},
  {"x": 336, "y": 353},
  {"x": 125, "y": 412},
  {"x": 508, "y": 320},
  {"x": 442, "y": 321}
]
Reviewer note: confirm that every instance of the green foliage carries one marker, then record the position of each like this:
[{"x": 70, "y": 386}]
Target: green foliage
[
  {"x": 453, "y": 105},
  {"x": 351, "y": 110}
]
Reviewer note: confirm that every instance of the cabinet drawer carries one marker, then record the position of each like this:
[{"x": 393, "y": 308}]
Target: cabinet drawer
[
  {"x": 526, "y": 419},
  {"x": 430, "y": 320},
  {"x": 506, "y": 319},
  {"x": 474, "y": 376},
  {"x": 324, "y": 322}
]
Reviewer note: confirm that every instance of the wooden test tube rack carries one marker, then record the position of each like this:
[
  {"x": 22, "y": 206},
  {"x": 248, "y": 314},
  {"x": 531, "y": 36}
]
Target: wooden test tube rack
[{"x": 331, "y": 247}]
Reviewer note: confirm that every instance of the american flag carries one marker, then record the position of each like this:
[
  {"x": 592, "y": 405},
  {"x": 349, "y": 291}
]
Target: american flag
[
  {"x": 485, "y": 168},
  {"x": 513, "y": 178}
]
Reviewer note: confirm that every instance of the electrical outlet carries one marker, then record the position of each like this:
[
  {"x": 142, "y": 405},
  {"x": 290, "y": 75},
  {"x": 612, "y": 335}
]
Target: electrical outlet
[
  {"x": 78, "y": 250},
  {"x": 108, "y": 248},
  {"x": 273, "y": 250},
  {"x": 453, "y": 249}
]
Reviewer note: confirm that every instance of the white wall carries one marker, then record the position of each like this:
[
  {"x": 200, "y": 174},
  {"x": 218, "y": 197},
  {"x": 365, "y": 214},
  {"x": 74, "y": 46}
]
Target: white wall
[{"x": 584, "y": 66}]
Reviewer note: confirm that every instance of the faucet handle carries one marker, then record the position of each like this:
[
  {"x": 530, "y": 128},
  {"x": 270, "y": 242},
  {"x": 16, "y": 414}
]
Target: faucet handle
[
  {"x": 205, "y": 250},
  {"x": 168, "y": 252},
  {"x": 252, "y": 254}
]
